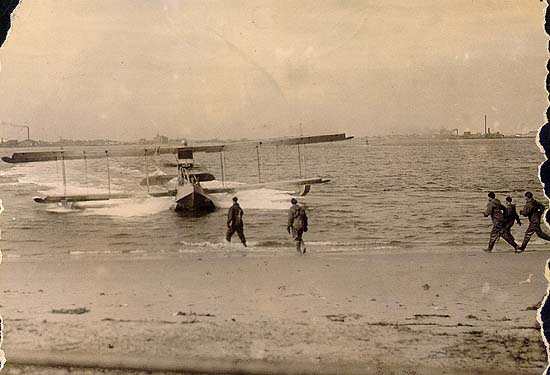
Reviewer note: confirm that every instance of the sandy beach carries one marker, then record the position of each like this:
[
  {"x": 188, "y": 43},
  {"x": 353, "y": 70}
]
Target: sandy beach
[{"x": 437, "y": 309}]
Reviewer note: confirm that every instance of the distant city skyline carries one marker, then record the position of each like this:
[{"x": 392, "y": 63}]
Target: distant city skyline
[{"x": 126, "y": 70}]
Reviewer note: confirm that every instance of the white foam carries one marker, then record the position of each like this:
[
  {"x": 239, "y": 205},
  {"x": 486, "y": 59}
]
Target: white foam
[
  {"x": 79, "y": 252},
  {"x": 266, "y": 199},
  {"x": 78, "y": 179},
  {"x": 123, "y": 179},
  {"x": 91, "y": 181},
  {"x": 128, "y": 207},
  {"x": 57, "y": 209},
  {"x": 207, "y": 244}
]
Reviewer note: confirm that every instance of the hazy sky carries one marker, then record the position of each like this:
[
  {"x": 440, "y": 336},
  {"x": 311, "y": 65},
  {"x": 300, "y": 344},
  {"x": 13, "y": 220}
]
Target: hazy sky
[{"x": 127, "y": 69}]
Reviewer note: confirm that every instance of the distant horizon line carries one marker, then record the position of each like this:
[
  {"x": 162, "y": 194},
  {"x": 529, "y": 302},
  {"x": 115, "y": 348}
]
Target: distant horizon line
[{"x": 167, "y": 140}]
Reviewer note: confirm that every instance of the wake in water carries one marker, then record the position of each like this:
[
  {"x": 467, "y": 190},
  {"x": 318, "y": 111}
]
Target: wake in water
[
  {"x": 261, "y": 199},
  {"x": 127, "y": 207},
  {"x": 143, "y": 205},
  {"x": 125, "y": 179}
]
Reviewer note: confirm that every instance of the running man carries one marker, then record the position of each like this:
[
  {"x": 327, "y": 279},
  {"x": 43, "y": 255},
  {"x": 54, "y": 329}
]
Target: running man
[
  {"x": 235, "y": 222},
  {"x": 496, "y": 210},
  {"x": 533, "y": 209},
  {"x": 511, "y": 216}
]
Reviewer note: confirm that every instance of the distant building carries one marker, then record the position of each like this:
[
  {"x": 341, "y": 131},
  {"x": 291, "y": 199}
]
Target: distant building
[
  {"x": 446, "y": 133},
  {"x": 469, "y": 135},
  {"x": 28, "y": 143},
  {"x": 160, "y": 139},
  {"x": 9, "y": 143},
  {"x": 493, "y": 135}
]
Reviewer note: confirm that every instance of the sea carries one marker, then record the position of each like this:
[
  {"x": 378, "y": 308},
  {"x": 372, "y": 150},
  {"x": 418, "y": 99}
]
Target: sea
[{"x": 401, "y": 195}]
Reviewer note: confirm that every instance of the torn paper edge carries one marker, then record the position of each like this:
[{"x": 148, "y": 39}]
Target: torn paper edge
[
  {"x": 539, "y": 314},
  {"x": 2, "y": 355},
  {"x": 12, "y": 16},
  {"x": 539, "y": 142}
]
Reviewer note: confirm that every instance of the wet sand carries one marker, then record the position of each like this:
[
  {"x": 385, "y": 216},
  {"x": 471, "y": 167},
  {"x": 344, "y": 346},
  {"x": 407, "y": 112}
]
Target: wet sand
[{"x": 439, "y": 309}]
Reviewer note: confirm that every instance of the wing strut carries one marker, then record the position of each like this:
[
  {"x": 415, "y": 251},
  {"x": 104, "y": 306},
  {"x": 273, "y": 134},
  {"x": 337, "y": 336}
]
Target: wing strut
[
  {"x": 57, "y": 172},
  {"x": 277, "y": 152},
  {"x": 64, "y": 174},
  {"x": 222, "y": 166},
  {"x": 299, "y": 160},
  {"x": 146, "y": 170},
  {"x": 224, "y": 172},
  {"x": 108, "y": 172},
  {"x": 259, "y": 156},
  {"x": 85, "y": 171}
]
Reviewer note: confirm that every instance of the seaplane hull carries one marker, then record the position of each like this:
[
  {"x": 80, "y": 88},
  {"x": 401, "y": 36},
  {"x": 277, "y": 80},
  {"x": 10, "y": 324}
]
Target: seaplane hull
[{"x": 191, "y": 197}]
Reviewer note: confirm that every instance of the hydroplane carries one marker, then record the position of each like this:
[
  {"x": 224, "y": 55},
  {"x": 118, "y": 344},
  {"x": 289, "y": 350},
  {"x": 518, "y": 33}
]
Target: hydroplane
[{"x": 189, "y": 194}]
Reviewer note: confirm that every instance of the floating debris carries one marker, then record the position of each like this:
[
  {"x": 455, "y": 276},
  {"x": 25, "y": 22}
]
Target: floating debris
[
  {"x": 342, "y": 317},
  {"x": 416, "y": 316},
  {"x": 191, "y": 313}
]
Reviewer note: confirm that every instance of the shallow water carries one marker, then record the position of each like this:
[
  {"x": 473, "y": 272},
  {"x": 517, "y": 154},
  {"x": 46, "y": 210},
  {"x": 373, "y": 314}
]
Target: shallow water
[{"x": 414, "y": 195}]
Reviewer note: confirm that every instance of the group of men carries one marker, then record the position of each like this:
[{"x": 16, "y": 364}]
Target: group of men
[
  {"x": 504, "y": 217},
  {"x": 296, "y": 225}
]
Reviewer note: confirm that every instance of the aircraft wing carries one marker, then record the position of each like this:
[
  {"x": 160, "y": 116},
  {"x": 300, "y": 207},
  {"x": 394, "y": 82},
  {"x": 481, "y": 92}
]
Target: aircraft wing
[
  {"x": 285, "y": 141},
  {"x": 75, "y": 153},
  {"x": 289, "y": 141},
  {"x": 273, "y": 184},
  {"x": 86, "y": 153},
  {"x": 99, "y": 153}
]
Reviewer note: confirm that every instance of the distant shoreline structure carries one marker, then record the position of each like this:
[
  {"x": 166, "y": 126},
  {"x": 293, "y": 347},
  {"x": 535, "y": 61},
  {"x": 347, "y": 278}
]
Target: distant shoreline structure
[
  {"x": 443, "y": 134},
  {"x": 157, "y": 140},
  {"x": 436, "y": 138},
  {"x": 453, "y": 134},
  {"x": 487, "y": 134}
]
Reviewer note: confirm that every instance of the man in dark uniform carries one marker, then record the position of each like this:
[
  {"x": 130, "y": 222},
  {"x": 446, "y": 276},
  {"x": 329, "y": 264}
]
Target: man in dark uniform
[
  {"x": 533, "y": 210},
  {"x": 297, "y": 225},
  {"x": 235, "y": 222},
  {"x": 510, "y": 217},
  {"x": 496, "y": 210}
]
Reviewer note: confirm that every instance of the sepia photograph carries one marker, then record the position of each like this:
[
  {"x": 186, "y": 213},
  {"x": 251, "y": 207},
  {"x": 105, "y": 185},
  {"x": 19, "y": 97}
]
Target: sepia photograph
[{"x": 274, "y": 187}]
